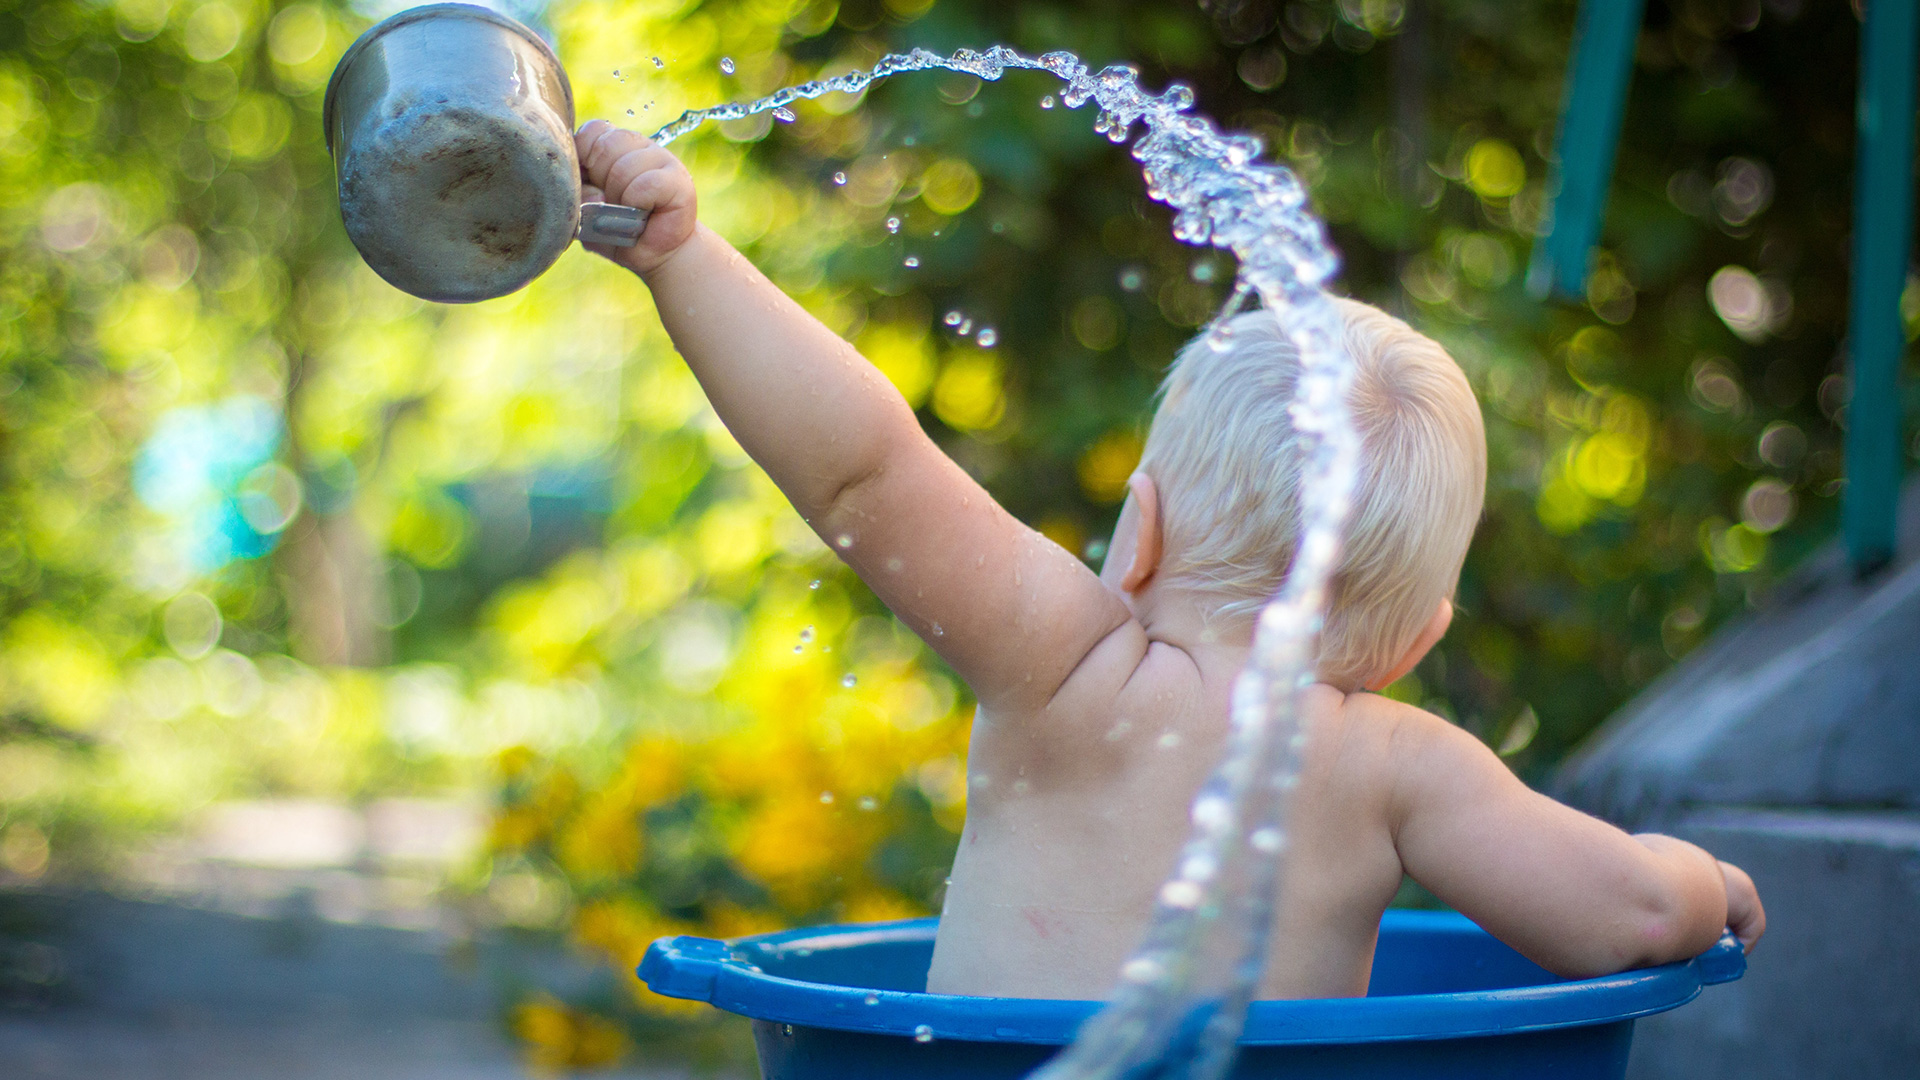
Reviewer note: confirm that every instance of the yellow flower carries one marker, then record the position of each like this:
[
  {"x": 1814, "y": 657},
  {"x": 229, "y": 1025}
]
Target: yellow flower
[
  {"x": 881, "y": 905},
  {"x": 969, "y": 395},
  {"x": 793, "y": 845},
  {"x": 621, "y": 930},
  {"x": 1494, "y": 170},
  {"x": 560, "y": 1037},
  {"x": 603, "y": 840},
  {"x": 1108, "y": 464},
  {"x": 949, "y": 186}
]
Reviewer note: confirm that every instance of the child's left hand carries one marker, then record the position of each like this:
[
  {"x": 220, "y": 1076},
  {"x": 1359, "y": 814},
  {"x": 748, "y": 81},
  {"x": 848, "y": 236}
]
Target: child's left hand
[
  {"x": 1745, "y": 917},
  {"x": 625, "y": 167}
]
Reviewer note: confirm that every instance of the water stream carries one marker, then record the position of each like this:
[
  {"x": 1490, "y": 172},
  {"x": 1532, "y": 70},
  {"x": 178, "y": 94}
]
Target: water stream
[{"x": 1182, "y": 996}]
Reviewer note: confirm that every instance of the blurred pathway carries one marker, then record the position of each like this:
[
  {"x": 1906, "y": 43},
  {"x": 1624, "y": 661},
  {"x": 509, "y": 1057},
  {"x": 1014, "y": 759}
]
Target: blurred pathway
[
  {"x": 112, "y": 989},
  {"x": 261, "y": 949}
]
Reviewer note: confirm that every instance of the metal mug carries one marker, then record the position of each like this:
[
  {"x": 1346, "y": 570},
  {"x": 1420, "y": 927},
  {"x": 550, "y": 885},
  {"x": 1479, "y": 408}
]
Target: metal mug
[{"x": 451, "y": 129}]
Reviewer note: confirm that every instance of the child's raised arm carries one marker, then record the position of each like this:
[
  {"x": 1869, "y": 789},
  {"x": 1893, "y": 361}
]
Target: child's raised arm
[
  {"x": 1010, "y": 610},
  {"x": 1569, "y": 891}
]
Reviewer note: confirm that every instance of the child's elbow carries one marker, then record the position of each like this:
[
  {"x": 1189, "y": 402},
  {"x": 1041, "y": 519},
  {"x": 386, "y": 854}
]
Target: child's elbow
[{"x": 1675, "y": 923}]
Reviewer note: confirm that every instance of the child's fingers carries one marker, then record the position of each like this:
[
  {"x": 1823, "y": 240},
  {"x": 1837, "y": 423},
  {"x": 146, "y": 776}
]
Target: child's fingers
[
  {"x": 619, "y": 176},
  {"x": 588, "y": 138},
  {"x": 590, "y": 193},
  {"x": 1745, "y": 913},
  {"x": 602, "y": 146},
  {"x": 655, "y": 190}
]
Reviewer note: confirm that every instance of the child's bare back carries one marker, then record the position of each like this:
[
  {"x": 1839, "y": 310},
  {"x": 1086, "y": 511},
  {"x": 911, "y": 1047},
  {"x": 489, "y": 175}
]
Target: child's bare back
[{"x": 1103, "y": 698}]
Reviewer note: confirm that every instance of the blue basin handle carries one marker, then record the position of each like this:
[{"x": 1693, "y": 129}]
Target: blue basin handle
[
  {"x": 1725, "y": 962},
  {"x": 684, "y": 966}
]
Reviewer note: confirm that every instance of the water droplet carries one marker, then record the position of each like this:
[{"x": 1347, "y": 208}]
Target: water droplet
[
  {"x": 806, "y": 634},
  {"x": 848, "y": 680},
  {"x": 1131, "y": 279},
  {"x": 893, "y": 224},
  {"x": 910, "y": 262},
  {"x": 629, "y": 112},
  {"x": 908, "y": 141},
  {"x": 797, "y": 648},
  {"x": 840, "y": 179},
  {"x": 966, "y": 327},
  {"x": 659, "y": 63},
  {"x": 616, "y": 73},
  {"x": 953, "y": 318},
  {"x": 784, "y": 115},
  {"x": 1141, "y": 969},
  {"x": 1047, "y": 102},
  {"x": 987, "y": 337},
  {"x": 1180, "y": 894},
  {"x": 814, "y": 584},
  {"x": 872, "y": 999},
  {"x": 1267, "y": 840},
  {"x": 843, "y": 541},
  {"x": 922, "y": 1034},
  {"x": 939, "y": 631},
  {"x": 787, "y": 1030},
  {"x": 868, "y": 802},
  {"x": 726, "y": 65},
  {"x": 826, "y": 797},
  {"x": 1170, "y": 740},
  {"x": 1202, "y": 272}
]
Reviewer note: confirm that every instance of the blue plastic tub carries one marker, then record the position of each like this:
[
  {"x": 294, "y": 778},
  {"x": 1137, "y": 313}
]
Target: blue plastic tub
[{"x": 1447, "y": 1000}]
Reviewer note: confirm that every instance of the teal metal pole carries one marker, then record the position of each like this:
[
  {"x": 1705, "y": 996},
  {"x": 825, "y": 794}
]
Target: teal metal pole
[
  {"x": 1882, "y": 237},
  {"x": 1590, "y": 112}
]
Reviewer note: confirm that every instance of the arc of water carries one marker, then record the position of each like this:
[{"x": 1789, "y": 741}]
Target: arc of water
[{"x": 1169, "y": 1013}]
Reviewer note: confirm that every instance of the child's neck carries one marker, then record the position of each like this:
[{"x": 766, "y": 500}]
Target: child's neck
[{"x": 1187, "y": 619}]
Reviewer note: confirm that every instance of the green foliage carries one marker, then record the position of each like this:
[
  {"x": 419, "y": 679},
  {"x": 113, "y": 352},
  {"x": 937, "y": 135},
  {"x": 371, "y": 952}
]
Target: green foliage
[{"x": 525, "y": 552}]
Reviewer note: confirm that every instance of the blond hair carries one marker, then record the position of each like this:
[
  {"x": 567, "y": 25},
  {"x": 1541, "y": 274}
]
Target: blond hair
[{"x": 1226, "y": 461}]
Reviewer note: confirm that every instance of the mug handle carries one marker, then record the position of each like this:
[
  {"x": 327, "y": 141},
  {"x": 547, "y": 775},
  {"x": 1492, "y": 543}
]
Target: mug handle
[{"x": 611, "y": 223}]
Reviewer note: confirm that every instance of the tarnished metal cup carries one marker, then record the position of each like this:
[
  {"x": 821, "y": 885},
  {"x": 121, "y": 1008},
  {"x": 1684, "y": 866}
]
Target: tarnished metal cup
[{"x": 451, "y": 128}]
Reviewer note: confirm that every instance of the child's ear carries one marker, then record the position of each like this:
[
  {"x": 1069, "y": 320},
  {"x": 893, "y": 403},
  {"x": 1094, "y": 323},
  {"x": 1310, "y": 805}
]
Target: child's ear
[
  {"x": 1430, "y": 636},
  {"x": 1146, "y": 540}
]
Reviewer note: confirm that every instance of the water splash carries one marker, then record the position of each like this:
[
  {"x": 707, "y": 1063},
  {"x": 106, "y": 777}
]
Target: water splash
[{"x": 1171, "y": 1013}]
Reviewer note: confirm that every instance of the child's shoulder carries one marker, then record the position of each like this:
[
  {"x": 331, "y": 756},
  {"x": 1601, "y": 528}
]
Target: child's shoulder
[
  {"x": 1365, "y": 713},
  {"x": 1389, "y": 740}
]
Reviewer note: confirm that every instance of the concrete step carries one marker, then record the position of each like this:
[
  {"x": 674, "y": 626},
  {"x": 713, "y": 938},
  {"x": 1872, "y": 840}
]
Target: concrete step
[{"x": 1833, "y": 990}]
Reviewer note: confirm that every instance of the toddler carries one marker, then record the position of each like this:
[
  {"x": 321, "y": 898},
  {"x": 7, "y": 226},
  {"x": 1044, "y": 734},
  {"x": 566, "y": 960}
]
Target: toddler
[{"x": 1103, "y": 698}]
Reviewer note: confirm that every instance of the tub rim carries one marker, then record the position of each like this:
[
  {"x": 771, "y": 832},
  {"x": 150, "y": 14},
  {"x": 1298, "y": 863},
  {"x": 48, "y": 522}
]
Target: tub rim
[{"x": 725, "y": 975}]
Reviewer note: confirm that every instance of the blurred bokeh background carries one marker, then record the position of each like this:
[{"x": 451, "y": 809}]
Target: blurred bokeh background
[{"x": 472, "y": 622}]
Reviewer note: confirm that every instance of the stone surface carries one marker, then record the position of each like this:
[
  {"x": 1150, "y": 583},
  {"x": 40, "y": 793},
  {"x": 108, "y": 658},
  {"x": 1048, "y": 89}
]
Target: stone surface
[
  {"x": 1812, "y": 700},
  {"x": 1833, "y": 990},
  {"x": 1790, "y": 745},
  {"x": 103, "y": 988}
]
